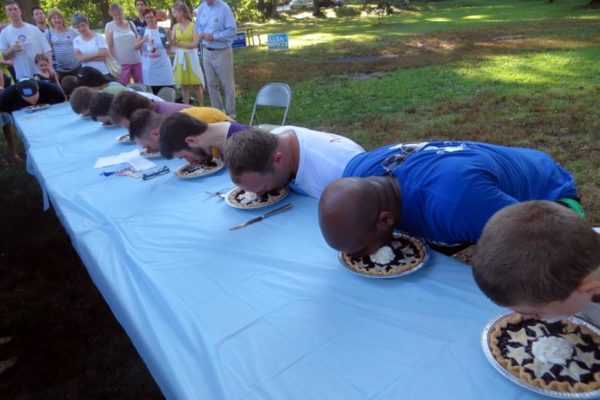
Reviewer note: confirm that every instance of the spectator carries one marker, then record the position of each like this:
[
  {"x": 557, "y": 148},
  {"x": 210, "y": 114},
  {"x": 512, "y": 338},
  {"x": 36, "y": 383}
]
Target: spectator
[
  {"x": 61, "y": 40},
  {"x": 216, "y": 28},
  {"x": 121, "y": 36},
  {"x": 5, "y": 71},
  {"x": 21, "y": 41},
  {"x": 184, "y": 38},
  {"x": 46, "y": 73},
  {"x": 156, "y": 64},
  {"x": 39, "y": 17},
  {"x": 90, "y": 48},
  {"x": 140, "y": 21}
]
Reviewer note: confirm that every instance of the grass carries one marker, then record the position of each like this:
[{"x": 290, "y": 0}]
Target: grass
[{"x": 512, "y": 72}]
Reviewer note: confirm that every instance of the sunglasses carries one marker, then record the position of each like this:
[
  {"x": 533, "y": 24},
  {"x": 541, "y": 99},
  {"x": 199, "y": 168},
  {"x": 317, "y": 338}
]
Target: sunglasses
[{"x": 164, "y": 170}]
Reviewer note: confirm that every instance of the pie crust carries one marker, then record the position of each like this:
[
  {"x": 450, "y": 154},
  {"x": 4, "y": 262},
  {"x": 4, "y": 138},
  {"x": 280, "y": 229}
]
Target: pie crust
[
  {"x": 150, "y": 154},
  {"x": 511, "y": 342},
  {"x": 124, "y": 139},
  {"x": 409, "y": 253},
  {"x": 189, "y": 171},
  {"x": 236, "y": 196}
]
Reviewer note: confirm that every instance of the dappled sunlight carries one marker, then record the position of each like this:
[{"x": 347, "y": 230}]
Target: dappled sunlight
[
  {"x": 438, "y": 19},
  {"x": 476, "y": 17}
]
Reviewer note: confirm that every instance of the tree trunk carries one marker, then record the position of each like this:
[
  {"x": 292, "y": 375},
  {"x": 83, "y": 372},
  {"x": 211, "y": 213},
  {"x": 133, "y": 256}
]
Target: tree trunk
[{"x": 26, "y": 6}]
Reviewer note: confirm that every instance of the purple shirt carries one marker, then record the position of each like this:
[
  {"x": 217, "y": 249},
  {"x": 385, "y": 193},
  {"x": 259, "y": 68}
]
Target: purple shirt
[
  {"x": 235, "y": 127},
  {"x": 168, "y": 108}
]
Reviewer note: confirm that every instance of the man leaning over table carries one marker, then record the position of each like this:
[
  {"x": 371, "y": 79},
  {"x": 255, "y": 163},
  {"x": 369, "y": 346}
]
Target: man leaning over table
[
  {"x": 307, "y": 160},
  {"x": 443, "y": 192},
  {"x": 21, "y": 41},
  {"x": 145, "y": 125},
  {"x": 216, "y": 28}
]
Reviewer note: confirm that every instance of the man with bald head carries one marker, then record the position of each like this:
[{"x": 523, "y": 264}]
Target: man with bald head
[{"x": 443, "y": 192}]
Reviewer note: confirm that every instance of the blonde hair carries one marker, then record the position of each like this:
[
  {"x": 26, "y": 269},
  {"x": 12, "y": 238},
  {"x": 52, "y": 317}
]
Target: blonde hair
[
  {"x": 181, "y": 6},
  {"x": 115, "y": 7},
  {"x": 54, "y": 12}
]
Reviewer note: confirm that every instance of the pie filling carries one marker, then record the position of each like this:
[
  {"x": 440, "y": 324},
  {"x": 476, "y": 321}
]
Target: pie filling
[
  {"x": 243, "y": 198},
  {"x": 560, "y": 356},
  {"x": 401, "y": 255},
  {"x": 200, "y": 168}
]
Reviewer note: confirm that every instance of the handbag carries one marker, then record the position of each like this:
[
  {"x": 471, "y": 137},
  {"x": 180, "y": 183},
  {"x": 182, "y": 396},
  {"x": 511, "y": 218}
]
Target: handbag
[{"x": 113, "y": 65}]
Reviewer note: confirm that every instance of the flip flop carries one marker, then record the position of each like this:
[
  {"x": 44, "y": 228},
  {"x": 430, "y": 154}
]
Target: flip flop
[{"x": 7, "y": 364}]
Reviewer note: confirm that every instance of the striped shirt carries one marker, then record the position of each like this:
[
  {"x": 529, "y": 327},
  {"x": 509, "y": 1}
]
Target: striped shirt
[{"x": 62, "y": 46}]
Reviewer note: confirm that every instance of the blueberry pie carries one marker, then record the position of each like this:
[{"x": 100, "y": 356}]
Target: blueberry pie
[
  {"x": 240, "y": 198},
  {"x": 189, "y": 171}
]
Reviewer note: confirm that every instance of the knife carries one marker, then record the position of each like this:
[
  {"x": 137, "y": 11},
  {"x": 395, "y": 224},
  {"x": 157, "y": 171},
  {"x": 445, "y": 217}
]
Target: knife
[{"x": 276, "y": 211}]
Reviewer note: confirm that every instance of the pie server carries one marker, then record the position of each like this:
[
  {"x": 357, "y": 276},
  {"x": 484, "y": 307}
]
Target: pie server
[{"x": 276, "y": 211}]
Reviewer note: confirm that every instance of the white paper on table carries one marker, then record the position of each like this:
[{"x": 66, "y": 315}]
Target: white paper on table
[
  {"x": 118, "y": 159},
  {"x": 140, "y": 163}
]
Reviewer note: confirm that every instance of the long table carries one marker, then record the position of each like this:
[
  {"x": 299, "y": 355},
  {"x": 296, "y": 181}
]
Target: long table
[{"x": 265, "y": 312}]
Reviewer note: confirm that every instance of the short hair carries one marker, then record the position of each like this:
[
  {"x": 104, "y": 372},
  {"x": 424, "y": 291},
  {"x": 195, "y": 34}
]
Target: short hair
[
  {"x": 183, "y": 7},
  {"x": 142, "y": 121},
  {"x": 55, "y": 12},
  {"x": 250, "y": 150},
  {"x": 534, "y": 253},
  {"x": 78, "y": 18},
  {"x": 100, "y": 104},
  {"x": 143, "y": 1},
  {"x": 68, "y": 84},
  {"x": 126, "y": 102},
  {"x": 11, "y": 2},
  {"x": 80, "y": 99},
  {"x": 149, "y": 10},
  {"x": 40, "y": 57},
  {"x": 175, "y": 129},
  {"x": 90, "y": 76},
  {"x": 36, "y": 8},
  {"x": 115, "y": 7}
]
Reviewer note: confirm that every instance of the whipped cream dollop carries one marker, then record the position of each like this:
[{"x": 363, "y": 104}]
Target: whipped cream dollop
[
  {"x": 552, "y": 349},
  {"x": 383, "y": 256},
  {"x": 248, "y": 197}
]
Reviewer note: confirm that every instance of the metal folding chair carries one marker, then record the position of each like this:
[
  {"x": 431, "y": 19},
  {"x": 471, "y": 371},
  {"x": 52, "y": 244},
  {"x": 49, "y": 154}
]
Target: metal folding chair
[{"x": 272, "y": 95}]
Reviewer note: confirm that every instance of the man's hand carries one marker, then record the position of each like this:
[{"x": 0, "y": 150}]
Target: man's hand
[{"x": 207, "y": 36}]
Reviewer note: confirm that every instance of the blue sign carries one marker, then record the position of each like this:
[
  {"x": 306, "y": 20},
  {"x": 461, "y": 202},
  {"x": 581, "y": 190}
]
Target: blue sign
[
  {"x": 278, "y": 41},
  {"x": 240, "y": 40}
]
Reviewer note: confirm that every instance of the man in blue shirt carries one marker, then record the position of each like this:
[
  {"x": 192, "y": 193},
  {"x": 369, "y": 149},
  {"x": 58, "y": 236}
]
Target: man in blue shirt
[
  {"x": 443, "y": 192},
  {"x": 216, "y": 28}
]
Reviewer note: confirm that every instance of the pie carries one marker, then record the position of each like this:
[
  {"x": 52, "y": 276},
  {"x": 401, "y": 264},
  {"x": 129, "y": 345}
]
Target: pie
[
  {"x": 400, "y": 256},
  {"x": 189, "y": 171},
  {"x": 124, "y": 138},
  {"x": 150, "y": 154},
  {"x": 36, "y": 107},
  {"x": 561, "y": 356},
  {"x": 240, "y": 198}
]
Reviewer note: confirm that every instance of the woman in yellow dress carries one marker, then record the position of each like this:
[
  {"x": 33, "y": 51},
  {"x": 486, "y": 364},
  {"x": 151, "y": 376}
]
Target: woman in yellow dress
[{"x": 186, "y": 65}]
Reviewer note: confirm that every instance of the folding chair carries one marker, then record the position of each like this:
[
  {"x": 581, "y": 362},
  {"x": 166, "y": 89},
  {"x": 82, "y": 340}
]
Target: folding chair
[
  {"x": 167, "y": 94},
  {"x": 139, "y": 87},
  {"x": 272, "y": 95}
]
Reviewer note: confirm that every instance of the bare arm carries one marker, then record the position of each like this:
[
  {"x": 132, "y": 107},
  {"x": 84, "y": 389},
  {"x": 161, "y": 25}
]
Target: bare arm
[
  {"x": 100, "y": 55},
  {"x": 109, "y": 41}
]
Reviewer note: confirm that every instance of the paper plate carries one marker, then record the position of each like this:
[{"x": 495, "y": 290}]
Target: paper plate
[
  {"x": 485, "y": 345},
  {"x": 124, "y": 139},
  {"x": 275, "y": 196},
  {"x": 202, "y": 170},
  {"x": 36, "y": 107},
  {"x": 403, "y": 245},
  {"x": 146, "y": 154}
]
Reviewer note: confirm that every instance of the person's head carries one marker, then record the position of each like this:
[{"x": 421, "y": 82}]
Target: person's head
[
  {"x": 124, "y": 104},
  {"x": 100, "y": 107},
  {"x": 56, "y": 19},
  {"x": 538, "y": 258},
  {"x": 91, "y": 77},
  {"x": 144, "y": 128},
  {"x": 80, "y": 100},
  {"x": 68, "y": 84},
  {"x": 13, "y": 11},
  {"x": 80, "y": 22},
  {"x": 140, "y": 6},
  {"x": 355, "y": 217},
  {"x": 181, "y": 11},
  {"x": 255, "y": 161},
  {"x": 38, "y": 15},
  {"x": 42, "y": 62},
  {"x": 150, "y": 17},
  {"x": 180, "y": 136},
  {"x": 116, "y": 12},
  {"x": 29, "y": 90}
]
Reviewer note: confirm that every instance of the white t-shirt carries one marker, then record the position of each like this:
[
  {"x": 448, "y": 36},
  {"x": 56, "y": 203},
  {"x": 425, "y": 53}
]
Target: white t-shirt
[
  {"x": 323, "y": 157},
  {"x": 89, "y": 47},
  {"x": 124, "y": 43},
  {"x": 33, "y": 42},
  {"x": 156, "y": 64}
]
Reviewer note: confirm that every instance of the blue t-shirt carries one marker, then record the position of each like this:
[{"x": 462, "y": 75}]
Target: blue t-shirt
[{"x": 451, "y": 189}]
